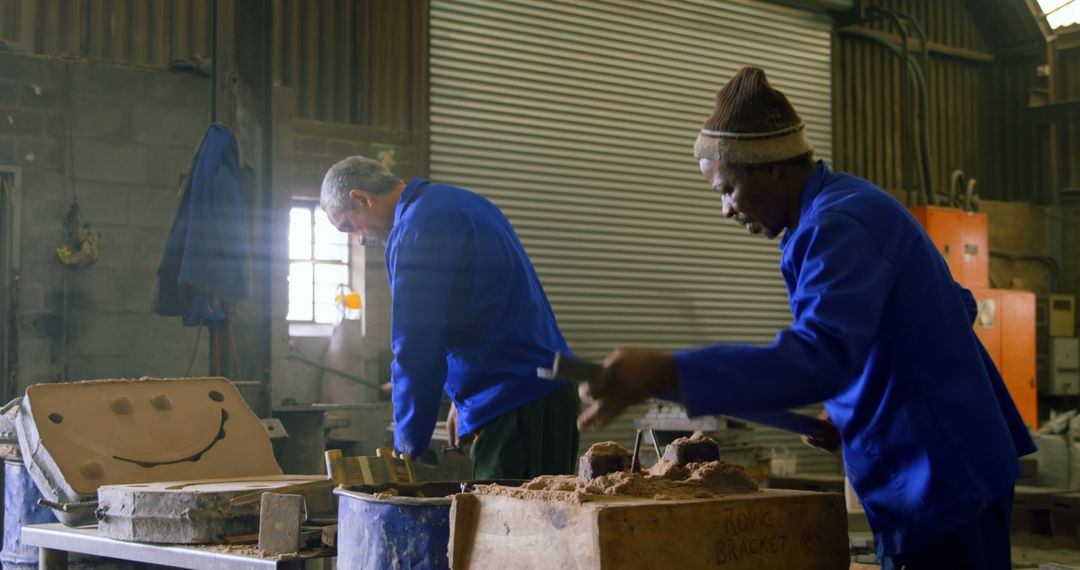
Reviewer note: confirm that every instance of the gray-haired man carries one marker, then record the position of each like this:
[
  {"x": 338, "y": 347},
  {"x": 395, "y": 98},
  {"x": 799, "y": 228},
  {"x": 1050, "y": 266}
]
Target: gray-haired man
[{"x": 469, "y": 317}]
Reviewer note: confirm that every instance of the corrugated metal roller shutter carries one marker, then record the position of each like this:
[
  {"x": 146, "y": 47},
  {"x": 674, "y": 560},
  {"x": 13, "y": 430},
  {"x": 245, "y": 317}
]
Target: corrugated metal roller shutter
[{"x": 578, "y": 119}]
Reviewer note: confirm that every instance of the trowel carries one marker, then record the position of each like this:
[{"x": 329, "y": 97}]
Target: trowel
[{"x": 571, "y": 369}]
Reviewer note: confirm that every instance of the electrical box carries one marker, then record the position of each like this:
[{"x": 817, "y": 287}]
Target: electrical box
[
  {"x": 1056, "y": 315},
  {"x": 963, "y": 240},
  {"x": 1063, "y": 376},
  {"x": 1006, "y": 327}
]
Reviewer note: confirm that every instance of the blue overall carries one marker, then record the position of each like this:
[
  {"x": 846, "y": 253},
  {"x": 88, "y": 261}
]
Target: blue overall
[
  {"x": 883, "y": 335},
  {"x": 469, "y": 314}
]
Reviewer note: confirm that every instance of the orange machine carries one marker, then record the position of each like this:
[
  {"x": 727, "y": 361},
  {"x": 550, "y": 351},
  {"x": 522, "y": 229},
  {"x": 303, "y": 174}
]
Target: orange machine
[
  {"x": 1006, "y": 322},
  {"x": 1006, "y": 327},
  {"x": 963, "y": 239}
]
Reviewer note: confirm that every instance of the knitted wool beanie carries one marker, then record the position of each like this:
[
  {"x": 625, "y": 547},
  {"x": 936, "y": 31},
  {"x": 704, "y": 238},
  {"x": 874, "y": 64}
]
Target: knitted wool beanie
[{"x": 752, "y": 124}]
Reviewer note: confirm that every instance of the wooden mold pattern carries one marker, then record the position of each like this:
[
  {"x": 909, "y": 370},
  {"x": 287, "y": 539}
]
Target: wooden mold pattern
[
  {"x": 139, "y": 431},
  {"x": 762, "y": 531}
]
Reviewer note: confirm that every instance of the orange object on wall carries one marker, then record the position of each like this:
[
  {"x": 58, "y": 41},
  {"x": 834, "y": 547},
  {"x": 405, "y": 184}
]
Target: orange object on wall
[
  {"x": 962, "y": 238},
  {"x": 1006, "y": 327}
]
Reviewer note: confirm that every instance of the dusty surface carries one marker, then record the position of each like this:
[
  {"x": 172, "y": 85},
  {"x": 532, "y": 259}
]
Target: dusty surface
[
  {"x": 192, "y": 512},
  {"x": 253, "y": 551},
  {"x": 1030, "y": 551},
  {"x": 695, "y": 481},
  {"x": 139, "y": 431},
  {"x": 667, "y": 480}
]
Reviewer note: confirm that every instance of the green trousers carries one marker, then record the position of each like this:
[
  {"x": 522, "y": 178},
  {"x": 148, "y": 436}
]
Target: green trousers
[{"x": 539, "y": 438}]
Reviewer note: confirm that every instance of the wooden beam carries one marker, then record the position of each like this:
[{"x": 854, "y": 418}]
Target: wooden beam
[
  {"x": 1055, "y": 112},
  {"x": 932, "y": 47}
]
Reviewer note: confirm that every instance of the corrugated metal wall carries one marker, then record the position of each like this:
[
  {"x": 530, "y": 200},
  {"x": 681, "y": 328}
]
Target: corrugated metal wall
[
  {"x": 976, "y": 103},
  {"x": 1069, "y": 61},
  {"x": 142, "y": 32},
  {"x": 345, "y": 59},
  {"x": 578, "y": 119}
]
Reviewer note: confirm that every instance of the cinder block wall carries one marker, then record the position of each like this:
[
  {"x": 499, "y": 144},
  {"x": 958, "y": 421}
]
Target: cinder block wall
[{"x": 118, "y": 139}]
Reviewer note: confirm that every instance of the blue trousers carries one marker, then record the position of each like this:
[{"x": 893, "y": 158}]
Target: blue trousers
[{"x": 979, "y": 544}]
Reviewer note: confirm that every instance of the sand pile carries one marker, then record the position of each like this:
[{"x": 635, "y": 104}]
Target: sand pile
[{"x": 664, "y": 481}]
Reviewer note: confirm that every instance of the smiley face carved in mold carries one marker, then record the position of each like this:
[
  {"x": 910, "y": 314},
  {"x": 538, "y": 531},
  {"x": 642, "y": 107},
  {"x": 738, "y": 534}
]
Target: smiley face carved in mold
[{"x": 112, "y": 432}]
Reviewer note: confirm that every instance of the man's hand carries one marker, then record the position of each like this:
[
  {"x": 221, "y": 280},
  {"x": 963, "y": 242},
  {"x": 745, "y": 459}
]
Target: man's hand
[
  {"x": 828, "y": 440},
  {"x": 452, "y": 429},
  {"x": 630, "y": 376}
]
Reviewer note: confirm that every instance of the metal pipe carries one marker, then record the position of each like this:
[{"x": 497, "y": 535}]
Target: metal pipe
[
  {"x": 913, "y": 79},
  {"x": 335, "y": 371}
]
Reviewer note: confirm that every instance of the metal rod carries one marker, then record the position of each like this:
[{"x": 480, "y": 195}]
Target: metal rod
[
  {"x": 335, "y": 372},
  {"x": 655, "y": 444},
  {"x": 635, "y": 459},
  {"x": 1059, "y": 7}
]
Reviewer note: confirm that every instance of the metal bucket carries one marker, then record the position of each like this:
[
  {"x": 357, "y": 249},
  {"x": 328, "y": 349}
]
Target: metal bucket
[
  {"x": 20, "y": 508},
  {"x": 399, "y": 532},
  {"x": 408, "y": 531}
]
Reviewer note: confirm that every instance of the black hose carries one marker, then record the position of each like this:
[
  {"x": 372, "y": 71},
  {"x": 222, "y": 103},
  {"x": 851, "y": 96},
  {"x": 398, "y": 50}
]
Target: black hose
[
  {"x": 916, "y": 146},
  {"x": 905, "y": 94},
  {"x": 924, "y": 96}
]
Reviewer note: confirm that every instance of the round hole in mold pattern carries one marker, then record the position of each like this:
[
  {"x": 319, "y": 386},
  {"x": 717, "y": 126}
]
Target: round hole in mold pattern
[
  {"x": 217, "y": 396},
  {"x": 56, "y": 418}
]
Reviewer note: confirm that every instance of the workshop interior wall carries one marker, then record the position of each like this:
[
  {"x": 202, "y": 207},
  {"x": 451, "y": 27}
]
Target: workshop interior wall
[{"x": 117, "y": 138}]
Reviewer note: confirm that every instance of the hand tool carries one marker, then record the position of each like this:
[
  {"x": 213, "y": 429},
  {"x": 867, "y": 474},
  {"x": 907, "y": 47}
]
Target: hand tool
[
  {"x": 453, "y": 449},
  {"x": 575, "y": 370}
]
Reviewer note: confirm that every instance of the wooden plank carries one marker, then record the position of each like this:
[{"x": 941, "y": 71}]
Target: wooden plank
[{"x": 286, "y": 490}]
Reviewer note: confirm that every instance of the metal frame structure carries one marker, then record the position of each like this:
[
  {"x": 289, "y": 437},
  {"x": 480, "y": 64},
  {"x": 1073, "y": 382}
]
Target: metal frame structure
[
  {"x": 10, "y": 233},
  {"x": 56, "y": 541}
]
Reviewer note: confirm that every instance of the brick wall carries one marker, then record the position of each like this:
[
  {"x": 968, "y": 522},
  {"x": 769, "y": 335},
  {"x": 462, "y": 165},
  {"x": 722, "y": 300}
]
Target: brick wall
[{"x": 118, "y": 138}]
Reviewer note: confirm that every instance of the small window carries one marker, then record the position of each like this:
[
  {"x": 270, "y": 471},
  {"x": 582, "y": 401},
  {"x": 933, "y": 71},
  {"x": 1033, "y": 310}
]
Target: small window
[{"x": 318, "y": 265}]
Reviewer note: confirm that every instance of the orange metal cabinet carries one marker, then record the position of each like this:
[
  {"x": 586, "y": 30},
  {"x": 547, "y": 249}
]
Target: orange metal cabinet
[
  {"x": 962, "y": 238},
  {"x": 1006, "y": 327}
]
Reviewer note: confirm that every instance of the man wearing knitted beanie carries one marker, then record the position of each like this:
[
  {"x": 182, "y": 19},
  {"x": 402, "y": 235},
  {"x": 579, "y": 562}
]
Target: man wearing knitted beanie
[{"x": 881, "y": 333}]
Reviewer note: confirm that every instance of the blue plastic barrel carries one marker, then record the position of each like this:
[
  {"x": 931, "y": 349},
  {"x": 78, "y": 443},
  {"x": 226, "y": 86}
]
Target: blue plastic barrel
[
  {"x": 20, "y": 508},
  {"x": 394, "y": 532}
]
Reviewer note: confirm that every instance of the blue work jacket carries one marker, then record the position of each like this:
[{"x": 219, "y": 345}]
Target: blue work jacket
[
  {"x": 883, "y": 335},
  {"x": 468, "y": 313}
]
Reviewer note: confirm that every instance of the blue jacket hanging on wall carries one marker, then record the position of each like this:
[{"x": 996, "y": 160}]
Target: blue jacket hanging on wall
[{"x": 204, "y": 265}]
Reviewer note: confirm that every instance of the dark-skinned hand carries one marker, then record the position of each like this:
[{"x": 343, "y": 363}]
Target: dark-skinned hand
[
  {"x": 630, "y": 376},
  {"x": 827, "y": 440}
]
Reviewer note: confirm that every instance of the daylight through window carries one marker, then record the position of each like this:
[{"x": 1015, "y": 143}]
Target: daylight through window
[{"x": 318, "y": 265}]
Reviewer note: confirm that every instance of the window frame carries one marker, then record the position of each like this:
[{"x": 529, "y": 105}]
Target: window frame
[{"x": 312, "y": 206}]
